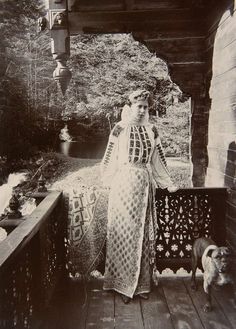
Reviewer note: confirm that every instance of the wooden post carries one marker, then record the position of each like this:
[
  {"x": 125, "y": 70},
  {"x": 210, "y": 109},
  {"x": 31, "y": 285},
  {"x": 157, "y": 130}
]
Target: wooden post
[
  {"x": 199, "y": 138},
  {"x": 60, "y": 37}
]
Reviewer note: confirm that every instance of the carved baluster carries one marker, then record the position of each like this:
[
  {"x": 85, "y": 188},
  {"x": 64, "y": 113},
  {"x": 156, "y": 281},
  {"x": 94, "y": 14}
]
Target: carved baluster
[
  {"x": 41, "y": 184},
  {"x": 13, "y": 217},
  {"x": 195, "y": 218},
  {"x": 41, "y": 191},
  {"x": 14, "y": 206},
  {"x": 59, "y": 27},
  {"x": 42, "y": 24}
]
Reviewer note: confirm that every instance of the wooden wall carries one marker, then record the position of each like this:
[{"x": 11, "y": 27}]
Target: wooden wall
[
  {"x": 221, "y": 43},
  {"x": 221, "y": 46},
  {"x": 221, "y": 74}
]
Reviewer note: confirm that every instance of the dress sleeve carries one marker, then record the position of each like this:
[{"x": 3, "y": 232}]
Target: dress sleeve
[
  {"x": 109, "y": 162},
  {"x": 159, "y": 167}
]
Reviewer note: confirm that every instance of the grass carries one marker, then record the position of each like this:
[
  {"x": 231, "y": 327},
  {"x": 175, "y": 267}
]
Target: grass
[{"x": 87, "y": 171}]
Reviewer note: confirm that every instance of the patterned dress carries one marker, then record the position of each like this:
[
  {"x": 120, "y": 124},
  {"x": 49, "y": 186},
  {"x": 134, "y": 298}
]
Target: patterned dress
[{"x": 133, "y": 166}]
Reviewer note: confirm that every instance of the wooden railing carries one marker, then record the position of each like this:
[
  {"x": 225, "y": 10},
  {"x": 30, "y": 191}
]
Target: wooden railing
[
  {"x": 184, "y": 216},
  {"x": 32, "y": 260},
  {"x": 33, "y": 256}
]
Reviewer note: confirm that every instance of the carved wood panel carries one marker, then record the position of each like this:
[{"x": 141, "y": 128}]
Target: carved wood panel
[
  {"x": 28, "y": 278},
  {"x": 52, "y": 252},
  {"x": 183, "y": 217},
  {"x": 18, "y": 288}
]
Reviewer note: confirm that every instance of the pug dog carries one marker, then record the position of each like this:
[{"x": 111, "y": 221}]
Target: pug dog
[{"x": 216, "y": 263}]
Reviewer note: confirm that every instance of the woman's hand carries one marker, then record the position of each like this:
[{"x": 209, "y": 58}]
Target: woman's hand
[{"x": 172, "y": 188}]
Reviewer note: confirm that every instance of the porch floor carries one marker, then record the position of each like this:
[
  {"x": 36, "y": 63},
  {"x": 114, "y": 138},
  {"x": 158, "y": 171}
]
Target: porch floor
[{"x": 171, "y": 305}]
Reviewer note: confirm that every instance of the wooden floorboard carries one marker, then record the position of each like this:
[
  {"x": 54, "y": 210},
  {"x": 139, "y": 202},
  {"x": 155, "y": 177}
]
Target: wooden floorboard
[
  {"x": 68, "y": 309},
  {"x": 182, "y": 310},
  {"x": 225, "y": 299},
  {"x": 128, "y": 316},
  {"x": 212, "y": 320},
  {"x": 155, "y": 310},
  {"x": 172, "y": 305},
  {"x": 100, "y": 310}
]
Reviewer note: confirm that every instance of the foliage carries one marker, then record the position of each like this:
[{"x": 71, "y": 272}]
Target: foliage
[
  {"x": 174, "y": 129},
  {"x": 21, "y": 130},
  {"x": 181, "y": 176},
  {"x": 23, "y": 81},
  {"x": 16, "y": 18},
  {"x": 106, "y": 68}
]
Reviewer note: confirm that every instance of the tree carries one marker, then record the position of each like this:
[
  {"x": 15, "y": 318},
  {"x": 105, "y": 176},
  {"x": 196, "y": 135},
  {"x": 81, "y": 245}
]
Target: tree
[{"x": 20, "y": 87}]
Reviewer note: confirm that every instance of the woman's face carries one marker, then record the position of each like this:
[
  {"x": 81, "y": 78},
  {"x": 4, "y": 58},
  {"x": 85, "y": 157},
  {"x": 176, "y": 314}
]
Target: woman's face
[{"x": 139, "y": 110}]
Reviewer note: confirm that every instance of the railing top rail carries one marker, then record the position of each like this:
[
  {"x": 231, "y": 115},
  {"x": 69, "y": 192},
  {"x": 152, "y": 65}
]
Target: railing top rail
[
  {"x": 22, "y": 234},
  {"x": 203, "y": 190}
]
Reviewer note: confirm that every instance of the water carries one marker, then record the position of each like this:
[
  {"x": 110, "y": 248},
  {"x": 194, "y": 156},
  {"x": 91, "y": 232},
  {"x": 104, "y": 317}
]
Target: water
[
  {"x": 6, "y": 194},
  {"x": 82, "y": 150},
  {"x": 71, "y": 147},
  {"x": 7, "y": 189}
]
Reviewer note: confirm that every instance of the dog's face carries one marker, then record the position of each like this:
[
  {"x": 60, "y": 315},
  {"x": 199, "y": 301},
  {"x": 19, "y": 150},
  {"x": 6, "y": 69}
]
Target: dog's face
[{"x": 222, "y": 258}]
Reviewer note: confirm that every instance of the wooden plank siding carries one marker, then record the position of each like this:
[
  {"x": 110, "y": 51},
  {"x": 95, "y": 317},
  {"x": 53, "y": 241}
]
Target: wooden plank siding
[
  {"x": 219, "y": 15},
  {"x": 222, "y": 128},
  {"x": 221, "y": 71}
]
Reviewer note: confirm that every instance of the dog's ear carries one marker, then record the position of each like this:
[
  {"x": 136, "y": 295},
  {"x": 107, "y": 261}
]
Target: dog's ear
[
  {"x": 228, "y": 250},
  {"x": 209, "y": 253},
  {"x": 231, "y": 252}
]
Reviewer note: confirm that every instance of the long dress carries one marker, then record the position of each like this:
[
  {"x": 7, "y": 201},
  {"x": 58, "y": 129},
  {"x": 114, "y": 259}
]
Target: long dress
[{"x": 133, "y": 166}]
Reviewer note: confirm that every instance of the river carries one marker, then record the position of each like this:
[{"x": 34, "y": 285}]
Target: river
[
  {"x": 82, "y": 150},
  {"x": 6, "y": 191}
]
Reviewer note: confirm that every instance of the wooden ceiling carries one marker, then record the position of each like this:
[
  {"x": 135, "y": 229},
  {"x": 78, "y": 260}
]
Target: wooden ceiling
[
  {"x": 121, "y": 5},
  {"x": 157, "y": 16},
  {"x": 175, "y": 29}
]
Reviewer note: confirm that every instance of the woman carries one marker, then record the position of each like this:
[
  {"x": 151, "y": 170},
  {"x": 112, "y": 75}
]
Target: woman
[{"x": 132, "y": 167}]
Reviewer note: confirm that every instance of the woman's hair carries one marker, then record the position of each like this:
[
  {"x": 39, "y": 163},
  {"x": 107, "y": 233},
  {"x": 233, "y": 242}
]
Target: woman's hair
[{"x": 139, "y": 95}]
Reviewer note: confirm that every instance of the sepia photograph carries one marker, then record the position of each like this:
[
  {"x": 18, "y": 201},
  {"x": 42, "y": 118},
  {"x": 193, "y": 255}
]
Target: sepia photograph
[{"x": 117, "y": 164}]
